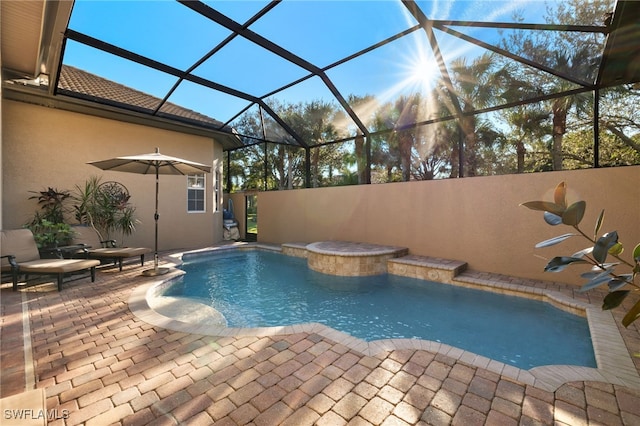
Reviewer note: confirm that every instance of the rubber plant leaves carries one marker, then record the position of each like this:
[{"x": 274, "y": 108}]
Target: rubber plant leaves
[{"x": 601, "y": 248}]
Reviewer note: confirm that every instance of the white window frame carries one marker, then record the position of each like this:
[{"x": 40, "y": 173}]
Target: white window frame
[
  {"x": 217, "y": 191},
  {"x": 197, "y": 182}
]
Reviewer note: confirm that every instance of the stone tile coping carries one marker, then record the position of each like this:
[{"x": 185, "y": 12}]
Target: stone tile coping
[
  {"x": 432, "y": 262},
  {"x": 348, "y": 248},
  {"x": 348, "y": 258},
  {"x": 612, "y": 356}
]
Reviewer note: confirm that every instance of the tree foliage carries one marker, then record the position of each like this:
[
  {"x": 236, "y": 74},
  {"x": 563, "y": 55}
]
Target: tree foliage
[{"x": 408, "y": 140}]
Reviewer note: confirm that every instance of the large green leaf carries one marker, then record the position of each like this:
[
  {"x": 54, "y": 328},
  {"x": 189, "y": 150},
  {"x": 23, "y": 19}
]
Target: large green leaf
[
  {"x": 598, "y": 280},
  {"x": 636, "y": 253},
  {"x": 544, "y": 206},
  {"x": 589, "y": 275},
  {"x": 582, "y": 253},
  {"x": 598, "y": 270},
  {"x": 560, "y": 195},
  {"x": 616, "y": 249},
  {"x": 614, "y": 299},
  {"x": 574, "y": 213},
  {"x": 620, "y": 281},
  {"x": 604, "y": 243},
  {"x": 559, "y": 263},
  {"x": 552, "y": 219},
  {"x": 632, "y": 315},
  {"x": 553, "y": 241}
]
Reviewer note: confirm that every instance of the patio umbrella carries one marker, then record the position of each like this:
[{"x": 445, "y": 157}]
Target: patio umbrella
[{"x": 158, "y": 164}]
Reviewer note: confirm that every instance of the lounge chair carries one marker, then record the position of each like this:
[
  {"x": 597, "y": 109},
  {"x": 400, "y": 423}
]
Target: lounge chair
[
  {"x": 86, "y": 243},
  {"x": 20, "y": 255}
]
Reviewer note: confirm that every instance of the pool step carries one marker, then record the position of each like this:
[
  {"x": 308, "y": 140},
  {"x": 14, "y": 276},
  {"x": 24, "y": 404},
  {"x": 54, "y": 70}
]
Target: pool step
[
  {"x": 426, "y": 268},
  {"x": 295, "y": 249},
  {"x": 414, "y": 266}
]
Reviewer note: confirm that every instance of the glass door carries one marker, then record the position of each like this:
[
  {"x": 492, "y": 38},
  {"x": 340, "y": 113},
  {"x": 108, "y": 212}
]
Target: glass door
[{"x": 251, "y": 217}]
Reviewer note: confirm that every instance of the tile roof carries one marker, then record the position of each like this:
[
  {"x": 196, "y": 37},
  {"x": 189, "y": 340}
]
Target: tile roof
[{"x": 79, "y": 83}]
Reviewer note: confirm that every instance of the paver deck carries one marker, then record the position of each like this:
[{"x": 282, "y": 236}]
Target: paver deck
[{"x": 99, "y": 363}]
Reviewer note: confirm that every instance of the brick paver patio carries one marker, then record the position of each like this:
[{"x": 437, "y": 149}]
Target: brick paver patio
[{"x": 100, "y": 364}]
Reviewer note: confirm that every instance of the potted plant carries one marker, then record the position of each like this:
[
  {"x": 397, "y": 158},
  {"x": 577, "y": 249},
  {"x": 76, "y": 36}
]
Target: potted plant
[
  {"x": 48, "y": 225},
  {"x": 50, "y": 235},
  {"x": 604, "y": 256}
]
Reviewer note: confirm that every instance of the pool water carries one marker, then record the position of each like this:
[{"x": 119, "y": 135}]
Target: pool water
[{"x": 259, "y": 288}]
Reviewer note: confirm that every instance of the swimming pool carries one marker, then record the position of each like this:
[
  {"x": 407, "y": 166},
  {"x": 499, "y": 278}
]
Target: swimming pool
[{"x": 259, "y": 288}]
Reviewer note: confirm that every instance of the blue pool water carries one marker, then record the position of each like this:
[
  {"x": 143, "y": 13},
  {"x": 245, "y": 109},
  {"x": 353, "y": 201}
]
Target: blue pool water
[{"x": 258, "y": 288}]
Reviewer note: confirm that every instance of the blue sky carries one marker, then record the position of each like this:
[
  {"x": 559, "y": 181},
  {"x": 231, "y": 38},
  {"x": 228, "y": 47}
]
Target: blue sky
[{"x": 320, "y": 32}]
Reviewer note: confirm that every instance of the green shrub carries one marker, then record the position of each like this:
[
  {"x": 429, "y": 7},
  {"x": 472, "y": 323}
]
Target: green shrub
[{"x": 48, "y": 224}]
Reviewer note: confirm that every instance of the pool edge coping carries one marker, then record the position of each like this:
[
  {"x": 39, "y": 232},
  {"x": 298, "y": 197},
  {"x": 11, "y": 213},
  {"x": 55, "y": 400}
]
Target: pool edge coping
[{"x": 614, "y": 363}]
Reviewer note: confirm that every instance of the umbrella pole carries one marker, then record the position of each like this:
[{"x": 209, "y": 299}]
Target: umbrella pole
[{"x": 156, "y": 270}]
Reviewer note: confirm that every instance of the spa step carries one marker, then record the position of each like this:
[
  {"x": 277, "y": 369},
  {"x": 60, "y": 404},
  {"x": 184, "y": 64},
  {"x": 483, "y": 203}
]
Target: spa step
[{"x": 426, "y": 268}]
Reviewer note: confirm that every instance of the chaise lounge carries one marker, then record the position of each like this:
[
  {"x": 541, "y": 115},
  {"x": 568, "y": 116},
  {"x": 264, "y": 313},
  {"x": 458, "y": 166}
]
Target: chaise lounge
[
  {"x": 20, "y": 255},
  {"x": 86, "y": 243}
]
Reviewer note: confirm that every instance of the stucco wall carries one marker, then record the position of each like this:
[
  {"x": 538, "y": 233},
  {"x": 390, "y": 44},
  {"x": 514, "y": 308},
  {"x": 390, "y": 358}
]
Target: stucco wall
[
  {"x": 477, "y": 220},
  {"x": 45, "y": 147}
]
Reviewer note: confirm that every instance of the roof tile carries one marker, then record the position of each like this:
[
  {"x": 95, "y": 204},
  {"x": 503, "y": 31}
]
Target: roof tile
[{"x": 79, "y": 83}]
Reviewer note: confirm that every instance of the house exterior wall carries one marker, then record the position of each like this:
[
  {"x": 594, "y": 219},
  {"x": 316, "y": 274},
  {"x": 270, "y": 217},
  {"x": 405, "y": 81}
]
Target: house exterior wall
[
  {"x": 1, "y": 145},
  {"x": 476, "y": 220},
  {"x": 46, "y": 147}
]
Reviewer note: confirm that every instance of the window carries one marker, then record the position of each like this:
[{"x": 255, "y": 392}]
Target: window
[
  {"x": 195, "y": 193},
  {"x": 217, "y": 191}
]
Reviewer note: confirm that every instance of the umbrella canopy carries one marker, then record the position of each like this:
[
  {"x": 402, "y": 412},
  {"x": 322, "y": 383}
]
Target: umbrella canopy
[
  {"x": 158, "y": 164},
  {"x": 154, "y": 163}
]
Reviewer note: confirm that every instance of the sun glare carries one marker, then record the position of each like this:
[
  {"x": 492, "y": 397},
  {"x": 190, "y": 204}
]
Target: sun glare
[
  {"x": 424, "y": 72},
  {"x": 417, "y": 73}
]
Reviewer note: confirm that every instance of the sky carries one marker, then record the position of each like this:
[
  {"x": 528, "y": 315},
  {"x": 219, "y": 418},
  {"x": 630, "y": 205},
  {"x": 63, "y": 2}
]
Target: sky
[{"x": 320, "y": 32}]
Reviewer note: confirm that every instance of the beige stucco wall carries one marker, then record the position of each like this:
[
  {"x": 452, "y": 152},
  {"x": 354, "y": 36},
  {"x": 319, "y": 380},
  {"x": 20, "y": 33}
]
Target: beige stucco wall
[
  {"x": 1, "y": 145},
  {"x": 49, "y": 147},
  {"x": 477, "y": 220}
]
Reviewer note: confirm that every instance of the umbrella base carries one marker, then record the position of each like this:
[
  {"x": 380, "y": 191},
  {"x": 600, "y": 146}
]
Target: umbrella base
[{"x": 155, "y": 272}]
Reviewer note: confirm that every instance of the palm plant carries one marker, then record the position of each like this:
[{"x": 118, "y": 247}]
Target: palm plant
[
  {"x": 578, "y": 64},
  {"x": 105, "y": 207},
  {"x": 394, "y": 148},
  {"x": 527, "y": 123},
  {"x": 572, "y": 56},
  {"x": 474, "y": 86},
  {"x": 361, "y": 104}
]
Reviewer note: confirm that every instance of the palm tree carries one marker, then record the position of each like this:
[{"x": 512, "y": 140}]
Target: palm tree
[
  {"x": 315, "y": 123},
  {"x": 526, "y": 122},
  {"x": 396, "y": 118},
  {"x": 569, "y": 54},
  {"x": 578, "y": 63},
  {"x": 474, "y": 86},
  {"x": 361, "y": 104}
]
